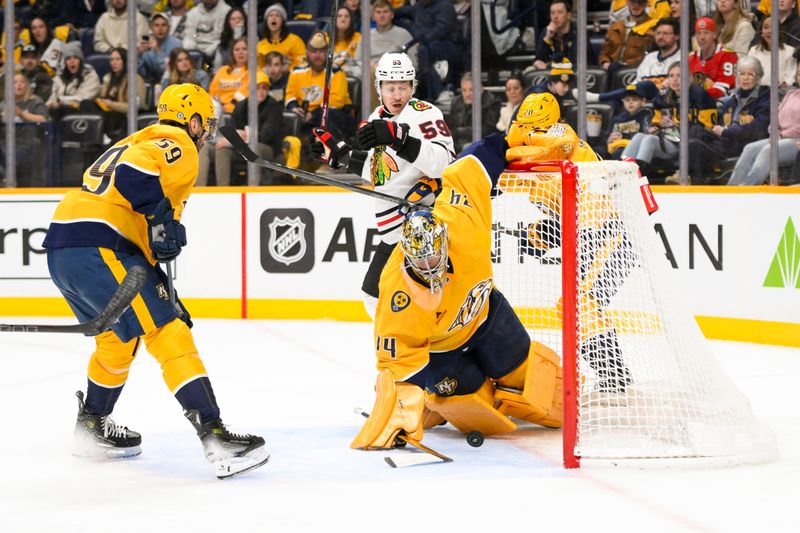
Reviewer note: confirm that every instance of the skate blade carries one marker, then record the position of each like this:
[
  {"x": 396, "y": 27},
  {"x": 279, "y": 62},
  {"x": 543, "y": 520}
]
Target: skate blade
[
  {"x": 236, "y": 466},
  {"x": 100, "y": 451}
]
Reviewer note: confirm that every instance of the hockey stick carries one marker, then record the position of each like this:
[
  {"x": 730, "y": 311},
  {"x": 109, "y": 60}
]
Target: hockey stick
[
  {"x": 119, "y": 303},
  {"x": 326, "y": 91},
  {"x": 229, "y": 132},
  {"x": 394, "y": 462}
]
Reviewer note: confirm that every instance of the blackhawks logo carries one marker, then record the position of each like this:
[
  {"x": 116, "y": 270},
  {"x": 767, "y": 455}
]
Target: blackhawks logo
[
  {"x": 419, "y": 105},
  {"x": 382, "y": 166}
]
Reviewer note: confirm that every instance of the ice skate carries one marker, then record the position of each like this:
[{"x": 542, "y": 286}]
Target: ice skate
[
  {"x": 230, "y": 453},
  {"x": 98, "y": 436}
]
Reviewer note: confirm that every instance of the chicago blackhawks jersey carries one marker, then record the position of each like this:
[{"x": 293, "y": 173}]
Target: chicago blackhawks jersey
[
  {"x": 122, "y": 186},
  {"x": 718, "y": 72},
  {"x": 410, "y": 321},
  {"x": 391, "y": 174}
]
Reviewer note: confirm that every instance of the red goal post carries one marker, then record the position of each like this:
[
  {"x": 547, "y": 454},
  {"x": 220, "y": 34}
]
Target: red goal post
[{"x": 576, "y": 255}]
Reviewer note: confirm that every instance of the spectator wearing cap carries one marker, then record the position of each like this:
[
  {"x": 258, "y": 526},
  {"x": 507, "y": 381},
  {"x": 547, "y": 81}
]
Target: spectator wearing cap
[
  {"x": 624, "y": 46},
  {"x": 154, "y": 52},
  {"x": 712, "y": 65},
  {"x": 278, "y": 39},
  {"x": 736, "y": 32},
  {"x": 270, "y": 134},
  {"x": 111, "y": 30},
  {"x": 204, "y": 24},
  {"x": 40, "y": 80},
  {"x": 305, "y": 88},
  {"x": 634, "y": 118},
  {"x": 78, "y": 81},
  {"x": 558, "y": 84}
]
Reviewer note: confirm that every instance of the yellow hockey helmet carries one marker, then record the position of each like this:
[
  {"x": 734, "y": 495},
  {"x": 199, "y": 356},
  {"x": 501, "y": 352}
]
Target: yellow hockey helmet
[
  {"x": 538, "y": 111},
  {"x": 424, "y": 244},
  {"x": 180, "y": 102}
]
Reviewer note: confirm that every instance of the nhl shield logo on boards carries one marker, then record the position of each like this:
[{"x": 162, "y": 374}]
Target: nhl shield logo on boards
[
  {"x": 287, "y": 243},
  {"x": 287, "y": 240}
]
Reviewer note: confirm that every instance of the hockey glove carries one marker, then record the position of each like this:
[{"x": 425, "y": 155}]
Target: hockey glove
[
  {"x": 167, "y": 236},
  {"x": 329, "y": 149},
  {"x": 422, "y": 194},
  {"x": 383, "y": 133}
]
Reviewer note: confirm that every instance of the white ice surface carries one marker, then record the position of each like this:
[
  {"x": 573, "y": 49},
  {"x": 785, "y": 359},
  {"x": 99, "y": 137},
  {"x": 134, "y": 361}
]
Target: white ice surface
[{"x": 296, "y": 383}]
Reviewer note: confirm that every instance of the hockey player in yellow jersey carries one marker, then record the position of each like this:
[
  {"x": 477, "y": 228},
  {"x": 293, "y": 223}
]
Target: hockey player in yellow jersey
[
  {"x": 128, "y": 213},
  {"x": 448, "y": 343},
  {"x": 535, "y": 136}
]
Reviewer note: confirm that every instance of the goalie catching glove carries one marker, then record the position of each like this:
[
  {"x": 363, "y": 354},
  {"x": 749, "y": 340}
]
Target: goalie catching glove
[
  {"x": 398, "y": 407},
  {"x": 166, "y": 235},
  {"x": 330, "y": 149}
]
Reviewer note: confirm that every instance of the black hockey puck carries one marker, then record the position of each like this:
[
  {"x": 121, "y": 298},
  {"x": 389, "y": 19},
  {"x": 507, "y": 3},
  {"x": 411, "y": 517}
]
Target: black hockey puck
[{"x": 475, "y": 439}]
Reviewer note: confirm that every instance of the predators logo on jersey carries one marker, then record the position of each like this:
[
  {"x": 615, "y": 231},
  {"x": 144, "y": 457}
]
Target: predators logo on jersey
[
  {"x": 472, "y": 306},
  {"x": 446, "y": 387},
  {"x": 382, "y": 165}
]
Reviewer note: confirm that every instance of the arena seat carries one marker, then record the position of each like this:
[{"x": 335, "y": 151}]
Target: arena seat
[
  {"x": 622, "y": 78},
  {"x": 302, "y": 28},
  {"x": 81, "y": 143},
  {"x": 101, "y": 63}
]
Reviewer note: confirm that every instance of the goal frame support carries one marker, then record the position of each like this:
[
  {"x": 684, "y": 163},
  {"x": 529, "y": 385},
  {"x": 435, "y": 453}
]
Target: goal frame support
[{"x": 569, "y": 277}]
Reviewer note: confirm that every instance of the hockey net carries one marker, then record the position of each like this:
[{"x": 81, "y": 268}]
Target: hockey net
[{"x": 639, "y": 377}]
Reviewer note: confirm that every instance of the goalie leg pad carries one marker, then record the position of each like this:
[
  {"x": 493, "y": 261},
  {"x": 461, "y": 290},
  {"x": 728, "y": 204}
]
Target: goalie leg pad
[
  {"x": 398, "y": 407},
  {"x": 533, "y": 390},
  {"x": 431, "y": 419},
  {"x": 472, "y": 412}
]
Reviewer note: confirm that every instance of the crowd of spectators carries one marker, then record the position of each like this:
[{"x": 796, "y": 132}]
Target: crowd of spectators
[{"x": 71, "y": 58}]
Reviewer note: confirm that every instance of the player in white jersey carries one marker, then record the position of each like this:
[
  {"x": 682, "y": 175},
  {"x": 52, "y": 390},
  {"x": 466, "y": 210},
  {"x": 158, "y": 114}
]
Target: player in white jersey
[{"x": 402, "y": 150}]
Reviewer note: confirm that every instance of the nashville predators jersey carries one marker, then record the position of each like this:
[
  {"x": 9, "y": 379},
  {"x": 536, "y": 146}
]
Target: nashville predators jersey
[
  {"x": 391, "y": 174},
  {"x": 305, "y": 85},
  {"x": 411, "y": 322},
  {"x": 122, "y": 186},
  {"x": 557, "y": 142}
]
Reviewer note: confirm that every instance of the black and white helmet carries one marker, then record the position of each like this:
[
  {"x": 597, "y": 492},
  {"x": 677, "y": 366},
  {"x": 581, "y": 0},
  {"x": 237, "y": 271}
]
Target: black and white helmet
[{"x": 395, "y": 66}]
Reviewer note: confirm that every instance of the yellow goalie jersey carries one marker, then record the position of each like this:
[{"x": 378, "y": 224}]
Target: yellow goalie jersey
[
  {"x": 410, "y": 320},
  {"x": 122, "y": 186}
]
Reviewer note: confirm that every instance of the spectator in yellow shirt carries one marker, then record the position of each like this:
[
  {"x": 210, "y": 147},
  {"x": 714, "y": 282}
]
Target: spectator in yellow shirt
[
  {"x": 230, "y": 82},
  {"x": 278, "y": 38}
]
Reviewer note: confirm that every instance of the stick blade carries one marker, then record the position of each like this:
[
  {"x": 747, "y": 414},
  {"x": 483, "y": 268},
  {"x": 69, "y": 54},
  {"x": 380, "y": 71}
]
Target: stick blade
[
  {"x": 405, "y": 460},
  {"x": 232, "y": 136}
]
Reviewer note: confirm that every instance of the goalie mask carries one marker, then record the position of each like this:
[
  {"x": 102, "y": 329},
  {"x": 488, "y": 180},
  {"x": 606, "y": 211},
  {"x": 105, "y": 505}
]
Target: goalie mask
[
  {"x": 395, "y": 67},
  {"x": 538, "y": 111},
  {"x": 424, "y": 244}
]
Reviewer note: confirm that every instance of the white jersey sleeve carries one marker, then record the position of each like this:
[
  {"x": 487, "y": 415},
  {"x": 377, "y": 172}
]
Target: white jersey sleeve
[{"x": 391, "y": 174}]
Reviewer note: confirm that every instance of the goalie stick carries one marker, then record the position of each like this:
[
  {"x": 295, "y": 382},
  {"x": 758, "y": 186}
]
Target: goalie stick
[
  {"x": 119, "y": 303},
  {"x": 397, "y": 462},
  {"x": 229, "y": 132}
]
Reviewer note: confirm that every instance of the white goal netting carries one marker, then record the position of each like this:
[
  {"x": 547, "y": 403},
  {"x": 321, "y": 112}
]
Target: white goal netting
[{"x": 647, "y": 383}]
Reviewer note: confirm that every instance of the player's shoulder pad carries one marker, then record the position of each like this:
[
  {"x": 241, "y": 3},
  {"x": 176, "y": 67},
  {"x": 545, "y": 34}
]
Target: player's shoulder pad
[{"x": 491, "y": 153}]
